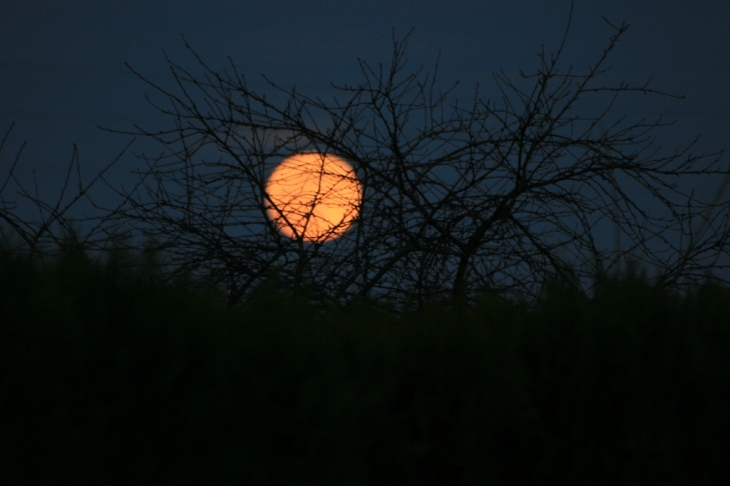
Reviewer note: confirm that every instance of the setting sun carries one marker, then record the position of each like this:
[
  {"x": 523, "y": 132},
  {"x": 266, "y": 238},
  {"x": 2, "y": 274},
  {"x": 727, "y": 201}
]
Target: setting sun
[{"x": 313, "y": 196}]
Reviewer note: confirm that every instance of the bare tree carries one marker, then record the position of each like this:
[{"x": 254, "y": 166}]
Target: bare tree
[
  {"x": 57, "y": 226},
  {"x": 457, "y": 198}
]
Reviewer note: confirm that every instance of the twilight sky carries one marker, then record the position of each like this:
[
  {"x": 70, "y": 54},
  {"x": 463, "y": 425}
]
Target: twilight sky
[{"x": 62, "y": 70}]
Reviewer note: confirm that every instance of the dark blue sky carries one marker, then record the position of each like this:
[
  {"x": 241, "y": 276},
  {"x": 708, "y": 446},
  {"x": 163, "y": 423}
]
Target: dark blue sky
[{"x": 62, "y": 67}]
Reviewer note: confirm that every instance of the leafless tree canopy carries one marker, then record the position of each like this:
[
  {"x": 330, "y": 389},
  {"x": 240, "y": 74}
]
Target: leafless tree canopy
[{"x": 546, "y": 181}]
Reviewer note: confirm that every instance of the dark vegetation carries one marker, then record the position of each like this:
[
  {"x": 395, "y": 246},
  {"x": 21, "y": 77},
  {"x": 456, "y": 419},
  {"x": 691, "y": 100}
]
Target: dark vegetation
[{"x": 112, "y": 375}]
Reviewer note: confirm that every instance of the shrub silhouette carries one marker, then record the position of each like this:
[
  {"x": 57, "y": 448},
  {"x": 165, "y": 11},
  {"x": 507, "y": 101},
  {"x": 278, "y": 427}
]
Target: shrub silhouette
[{"x": 110, "y": 375}]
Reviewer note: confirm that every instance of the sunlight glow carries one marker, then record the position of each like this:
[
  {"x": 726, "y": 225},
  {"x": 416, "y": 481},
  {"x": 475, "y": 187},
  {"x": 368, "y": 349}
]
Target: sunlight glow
[{"x": 313, "y": 196}]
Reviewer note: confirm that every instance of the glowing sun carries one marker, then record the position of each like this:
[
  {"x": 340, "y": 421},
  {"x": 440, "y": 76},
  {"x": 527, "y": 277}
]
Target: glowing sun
[{"x": 313, "y": 196}]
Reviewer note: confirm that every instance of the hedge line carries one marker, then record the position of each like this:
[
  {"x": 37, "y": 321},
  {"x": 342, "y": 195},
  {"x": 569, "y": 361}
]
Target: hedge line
[{"x": 114, "y": 377}]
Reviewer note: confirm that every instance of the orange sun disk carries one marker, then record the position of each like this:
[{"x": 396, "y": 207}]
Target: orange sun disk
[{"x": 313, "y": 196}]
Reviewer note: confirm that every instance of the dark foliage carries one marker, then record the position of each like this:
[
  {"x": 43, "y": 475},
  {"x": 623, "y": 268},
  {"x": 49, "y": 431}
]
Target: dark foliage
[{"x": 110, "y": 376}]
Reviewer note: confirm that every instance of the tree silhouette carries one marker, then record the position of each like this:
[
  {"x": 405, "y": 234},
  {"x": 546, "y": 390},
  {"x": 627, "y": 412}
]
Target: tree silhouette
[
  {"x": 457, "y": 198},
  {"x": 57, "y": 227}
]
